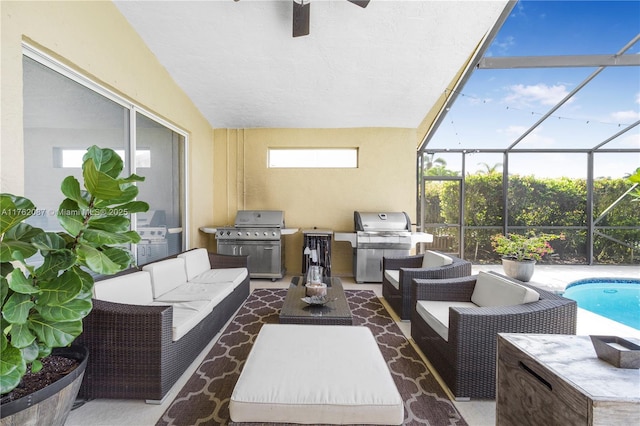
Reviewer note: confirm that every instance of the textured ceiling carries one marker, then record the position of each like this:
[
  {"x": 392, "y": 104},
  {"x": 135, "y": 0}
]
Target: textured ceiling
[{"x": 382, "y": 66}]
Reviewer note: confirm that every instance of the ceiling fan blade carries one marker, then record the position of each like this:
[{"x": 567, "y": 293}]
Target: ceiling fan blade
[
  {"x": 301, "y": 14},
  {"x": 361, "y": 3}
]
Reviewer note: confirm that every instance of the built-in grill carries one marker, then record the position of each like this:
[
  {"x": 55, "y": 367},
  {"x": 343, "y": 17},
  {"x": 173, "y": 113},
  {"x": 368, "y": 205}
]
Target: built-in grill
[
  {"x": 378, "y": 235},
  {"x": 258, "y": 234}
]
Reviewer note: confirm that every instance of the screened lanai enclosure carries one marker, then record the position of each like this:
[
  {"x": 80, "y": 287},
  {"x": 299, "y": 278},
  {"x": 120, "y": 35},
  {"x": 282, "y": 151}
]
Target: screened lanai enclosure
[{"x": 541, "y": 135}]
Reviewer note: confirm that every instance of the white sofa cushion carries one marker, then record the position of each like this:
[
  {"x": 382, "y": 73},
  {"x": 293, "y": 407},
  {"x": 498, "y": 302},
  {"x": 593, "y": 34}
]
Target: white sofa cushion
[
  {"x": 132, "y": 289},
  {"x": 493, "y": 290},
  {"x": 166, "y": 275},
  {"x": 215, "y": 276},
  {"x": 316, "y": 375},
  {"x": 393, "y": 276},
  {"x": 186, "y": 315},
  {"x": 194, "y": 291},
  {"x": 436, "y": 314},
  {"x": 195, "y": 262},
  {"x": 433, "y": 259}
]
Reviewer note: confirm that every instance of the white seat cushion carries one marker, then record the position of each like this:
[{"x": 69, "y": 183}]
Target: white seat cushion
[
  {"x": 189, "y": 292},
  {"x": 214, "y": 276},
  {"x": 393, "y": 276},
  {"x": 195, "y": 262},
  {"x": 315, "y": 374},
  {"x": 433, "y": 259},
  {"x": 493, "y": 290},
  {"x": 436, "y": 314},
  {"x": 166, "y": 275},
  {"x": 186, "y": 315},
  {"x": 133, "y": 289}
]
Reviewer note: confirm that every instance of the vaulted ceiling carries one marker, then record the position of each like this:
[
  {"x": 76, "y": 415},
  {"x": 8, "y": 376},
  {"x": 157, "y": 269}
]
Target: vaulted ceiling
[{"x": 385, "y": 65}]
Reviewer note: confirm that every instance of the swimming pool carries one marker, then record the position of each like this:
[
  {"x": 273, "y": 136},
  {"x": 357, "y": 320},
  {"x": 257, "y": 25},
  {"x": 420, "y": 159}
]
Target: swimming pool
[{"x": 614, "y": 298}]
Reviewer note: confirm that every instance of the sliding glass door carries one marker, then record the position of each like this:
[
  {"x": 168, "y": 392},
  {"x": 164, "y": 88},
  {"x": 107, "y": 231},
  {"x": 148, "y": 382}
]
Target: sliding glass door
[
  {"x": 64, "y": 114},
  {"x": 161, "y": 155}
]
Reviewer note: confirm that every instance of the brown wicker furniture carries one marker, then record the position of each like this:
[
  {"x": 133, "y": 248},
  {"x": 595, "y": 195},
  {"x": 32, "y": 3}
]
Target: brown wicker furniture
[
  {"x": 336, "y": 312},
  {"x": 466, "y": 361},
  {"x": 410, "y": 267},
  {"x": 131, "y": 351}
]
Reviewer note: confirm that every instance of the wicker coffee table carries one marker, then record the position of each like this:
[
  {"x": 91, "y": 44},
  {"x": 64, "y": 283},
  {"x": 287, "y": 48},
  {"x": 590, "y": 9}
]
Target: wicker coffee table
[{"x": 336, "y": 312}]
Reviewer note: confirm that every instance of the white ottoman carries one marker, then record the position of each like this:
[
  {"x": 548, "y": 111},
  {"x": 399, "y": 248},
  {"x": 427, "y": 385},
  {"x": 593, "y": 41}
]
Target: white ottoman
[{"x": 316, "y": 374}]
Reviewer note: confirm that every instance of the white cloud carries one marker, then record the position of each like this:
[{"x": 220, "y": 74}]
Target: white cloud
[
  {"x": 538, "y": 94},
  {"x": 625, "y": 117},
  {"x": 533, "y": 139},
  {"x": 513, "y": 130},
  {"x": 629, "y": 141},
  {"x": 478, "y": 101},
  {"x": 503, "y": 45}
]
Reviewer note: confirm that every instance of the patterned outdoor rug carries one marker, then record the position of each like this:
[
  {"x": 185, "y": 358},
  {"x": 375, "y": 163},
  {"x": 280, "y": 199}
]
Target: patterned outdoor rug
[{"x": 204, "y": 400}]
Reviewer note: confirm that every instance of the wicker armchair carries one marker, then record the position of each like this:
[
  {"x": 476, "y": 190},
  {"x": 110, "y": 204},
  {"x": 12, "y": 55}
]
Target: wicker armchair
[
  {"x": 467, "y": 361},
  {"x": 410, "y": 267}
]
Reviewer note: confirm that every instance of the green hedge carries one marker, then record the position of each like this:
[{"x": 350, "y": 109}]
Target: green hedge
[{"x": 544, "y": 205}]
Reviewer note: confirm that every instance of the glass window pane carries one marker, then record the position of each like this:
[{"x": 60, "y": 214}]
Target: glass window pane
[
  {"x": 628, "y": 140},
  {"x": 313, "y": 158},
  {"x": 442, "y": 164},
  {"x": 61, "y": 115},
  {"x": 557, "y": 196},
  {"x": 615, "y": 164},
  {"x": 616, "y": 217},
  {"x": 495, "y": 108},
  {"x": 483, "y": 199},
  {"x": 548, "y": 164},
  {"x": 161, "y": 228}
]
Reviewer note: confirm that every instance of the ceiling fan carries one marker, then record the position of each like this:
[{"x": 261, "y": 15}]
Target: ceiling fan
[{"x": 301, "y": 14}]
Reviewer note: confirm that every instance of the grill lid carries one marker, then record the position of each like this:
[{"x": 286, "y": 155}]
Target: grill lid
[
  {"x": 381, "y": 221},
  {"x": 260, "y": 219}
]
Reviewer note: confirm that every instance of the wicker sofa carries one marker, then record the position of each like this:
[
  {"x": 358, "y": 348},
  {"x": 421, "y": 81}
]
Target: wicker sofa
[
  {"x": 399, "y": 272},
  {"x": 456, "y": 327},
  {"x": 138, "y": 348}
]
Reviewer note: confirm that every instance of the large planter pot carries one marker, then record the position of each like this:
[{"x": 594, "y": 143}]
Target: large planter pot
[
  {"x": 519, "y": 269},
  {"x": 49, "y": 406}
]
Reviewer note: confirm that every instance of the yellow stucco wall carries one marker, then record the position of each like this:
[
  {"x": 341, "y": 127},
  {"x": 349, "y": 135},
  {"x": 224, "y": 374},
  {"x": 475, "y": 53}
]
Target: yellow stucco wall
[
  {"x": 322, "y": 198},
  {"x": 227, "y": 168},
  {"x": 93, "y": 38}
]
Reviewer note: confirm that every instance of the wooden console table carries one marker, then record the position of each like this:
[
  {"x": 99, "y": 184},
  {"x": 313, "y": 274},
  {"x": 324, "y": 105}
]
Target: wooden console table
[{"x": 546, "y": 379}]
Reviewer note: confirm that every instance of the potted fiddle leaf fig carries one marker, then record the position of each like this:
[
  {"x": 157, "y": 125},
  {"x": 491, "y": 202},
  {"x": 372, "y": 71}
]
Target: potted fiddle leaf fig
[{"x": 44, "y": 298}]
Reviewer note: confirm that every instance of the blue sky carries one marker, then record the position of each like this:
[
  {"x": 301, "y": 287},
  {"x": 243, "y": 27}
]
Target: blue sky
[{"x": 496, "y": 106}]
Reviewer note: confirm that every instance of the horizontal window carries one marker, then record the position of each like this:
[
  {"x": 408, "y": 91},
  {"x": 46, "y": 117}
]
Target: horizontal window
[
  {"x": 346, "y": 158},
  {"x": 72, "y": 158}
]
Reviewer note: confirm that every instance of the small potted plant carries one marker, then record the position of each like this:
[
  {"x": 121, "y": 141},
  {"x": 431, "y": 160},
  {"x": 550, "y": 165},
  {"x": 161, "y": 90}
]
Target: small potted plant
[
  {"x": 44, "y": 302},
  {"x": 520, "y": 252}
]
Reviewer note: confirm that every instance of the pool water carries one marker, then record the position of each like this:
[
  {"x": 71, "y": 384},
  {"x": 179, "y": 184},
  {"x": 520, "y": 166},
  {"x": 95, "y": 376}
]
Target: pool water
[{"x": 615, "y": 298}]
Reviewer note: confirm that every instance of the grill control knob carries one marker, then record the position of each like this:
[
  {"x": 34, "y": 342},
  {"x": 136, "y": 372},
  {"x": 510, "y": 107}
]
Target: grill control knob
[
  {"x": 265, "y": 233},
  {"x": 228, "y": 232},
  {"x": 239, "y": 234},
  {"x": 256, "y": 234},
  {"x": 248, "y": 234},
  {"x": 273, "y": 233}
]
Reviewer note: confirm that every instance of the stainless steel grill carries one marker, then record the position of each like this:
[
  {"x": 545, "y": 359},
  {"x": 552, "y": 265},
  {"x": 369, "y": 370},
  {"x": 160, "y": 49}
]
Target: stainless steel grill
[
  {"x": 258, "y": 234},
  {"x": 378, "y": 235}
]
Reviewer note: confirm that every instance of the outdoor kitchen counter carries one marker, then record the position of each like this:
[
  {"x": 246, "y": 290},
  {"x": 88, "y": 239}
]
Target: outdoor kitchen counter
[
  {"x": 420, "y": 237},
  {"x": 283, "y": 231},
  {"x": 351, "y": 237},
  {"x": 346, "y": 236}
]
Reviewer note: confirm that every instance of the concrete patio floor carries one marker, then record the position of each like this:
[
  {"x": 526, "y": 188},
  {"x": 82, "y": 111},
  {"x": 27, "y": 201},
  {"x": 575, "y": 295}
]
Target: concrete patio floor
[{"x": 475, "y": 412}]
